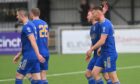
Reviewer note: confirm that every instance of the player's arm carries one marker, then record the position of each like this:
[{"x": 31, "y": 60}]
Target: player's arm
[
  {"x": 105, "y": 8},
  {"x": 35, "y": 47},
  {"x": 17, "y": 57},
  {"x": 30, "y": 34},
  {"x": 99, "y": 51},
  {"x": 97, "y": 45},
  {"x": 100, "y": 42},
  {"x": 87, "y": 56},
  {"x": 104, "y": 34}
]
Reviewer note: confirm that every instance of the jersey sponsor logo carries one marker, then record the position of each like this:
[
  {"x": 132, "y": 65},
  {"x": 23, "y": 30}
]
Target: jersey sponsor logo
[
  {"x": 28, "y": 29},
  {"x": 104, "y": 28},
  {"x": 94, "y": 28}
]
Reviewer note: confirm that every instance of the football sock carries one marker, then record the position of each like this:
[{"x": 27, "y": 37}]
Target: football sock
[
  {"x": 18, "y": 81},
  {"x": 109, "y": 81},
  {"x": 100, "y": 81},
  {"x": 91, "y": 80},
  {"x": 45, "y": 81},
  {"x": 36, "y": 82},
  {"x": 117, "y": 82}
]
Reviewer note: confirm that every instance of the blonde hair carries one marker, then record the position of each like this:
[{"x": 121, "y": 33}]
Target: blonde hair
[{"x": 35, "y": 11}]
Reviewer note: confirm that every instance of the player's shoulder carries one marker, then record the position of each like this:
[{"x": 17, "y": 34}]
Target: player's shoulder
[
  {"x": 39, "y": 21},
  {"x": 43, "y": 21},
  {"x": 28, "y": 25},
  {"x": 97, "y": 24},
  {"x": 106, "y": 23},
  {"x": 36, "y": 21},
  {"x": 92, "y": 27}
]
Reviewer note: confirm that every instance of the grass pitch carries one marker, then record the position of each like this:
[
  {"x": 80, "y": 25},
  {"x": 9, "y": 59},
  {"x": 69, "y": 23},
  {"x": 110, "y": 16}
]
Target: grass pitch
[{"x": 69, "y": 69}]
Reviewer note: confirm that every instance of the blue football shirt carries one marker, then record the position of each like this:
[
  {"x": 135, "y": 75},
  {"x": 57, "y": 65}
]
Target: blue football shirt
[
  {"x": 27, "y": 49},
  {"x": 108, "y": 29},
  {"x": 95, "y": 35},
  {"x": 42, "y": 36}
]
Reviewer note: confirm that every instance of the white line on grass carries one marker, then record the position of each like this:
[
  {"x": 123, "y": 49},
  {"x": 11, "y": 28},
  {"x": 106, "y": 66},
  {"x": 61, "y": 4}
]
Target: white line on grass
[{"x": 75, "y": 73}]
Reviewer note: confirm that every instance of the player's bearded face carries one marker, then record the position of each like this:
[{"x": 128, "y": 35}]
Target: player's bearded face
[
  {"x": 96, "y": 15},
  {"x": 19, "y": 17},
  {"x": 89, "y": 16},
  {"x": 31, "y": 15}
]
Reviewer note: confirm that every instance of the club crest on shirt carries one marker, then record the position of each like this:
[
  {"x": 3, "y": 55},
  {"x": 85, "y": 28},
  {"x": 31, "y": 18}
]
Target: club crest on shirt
[
  {"x": 104, "y": 29},
  {"x": 28, "y": 29},
  {"x": 94, "y": 28}
]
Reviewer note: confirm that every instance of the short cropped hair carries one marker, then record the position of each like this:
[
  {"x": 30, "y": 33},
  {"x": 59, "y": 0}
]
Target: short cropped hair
[
  {"x": 23, "y": 12},
  {"x": 35, "y": 11}
]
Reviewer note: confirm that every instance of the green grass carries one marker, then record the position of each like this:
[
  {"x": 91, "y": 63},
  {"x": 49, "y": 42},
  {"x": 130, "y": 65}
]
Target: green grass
[{"x": 74, "y": 63}]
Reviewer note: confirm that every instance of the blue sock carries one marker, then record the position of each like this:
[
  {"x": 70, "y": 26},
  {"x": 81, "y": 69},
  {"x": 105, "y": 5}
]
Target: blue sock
[
  {"x": 30, "y": 79},
  {"x": 100, "y": 81},
  {"x": 45, "y": 81},
  {"x": 117, "y": 82},
  {"x": 109, "y": 81},
  {"x": 91, "y": 80},
  {"x": 36, "y": 82},
  {"x": 18, "y": 81}
]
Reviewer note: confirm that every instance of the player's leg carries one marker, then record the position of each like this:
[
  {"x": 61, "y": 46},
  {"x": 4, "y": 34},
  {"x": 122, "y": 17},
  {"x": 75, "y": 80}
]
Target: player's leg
[
  {"x": 89, "y": 77},
  {"x": 107, "y": 78},
  {"x": 35, "y": 72},
  {"x": 44, "y": 69},
  {"x": 96, "y": 74},
  {"x": 111, "y": 68},
  {"x": 23, "y": 68},
  {"x": 36, "y": 78},
  {"x": 29, "y": 76},
  {"x": 114, "y": 77},
  {"x": 19, "y": 78},
  {"x": 88, "y": 73},
  {"x": 99, "y": 65},
  {"x": 44, "y": 76}
]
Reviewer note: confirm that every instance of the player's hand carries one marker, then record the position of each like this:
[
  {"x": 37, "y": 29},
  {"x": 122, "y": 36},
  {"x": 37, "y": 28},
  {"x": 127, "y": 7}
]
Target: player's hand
[
  {"x": 41, "y": 59},
  {"x": 105, "y": 8},
  {"x": 87, "y": 58},
  {"x": 16, "y": 59},
  {"x": 88, "y": 54},
  {"x": 99, "y": 52}
]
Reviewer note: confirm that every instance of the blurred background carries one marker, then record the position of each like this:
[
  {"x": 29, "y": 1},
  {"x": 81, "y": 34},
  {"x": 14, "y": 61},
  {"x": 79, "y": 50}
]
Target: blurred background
[
  {"x": 69, "y": 37},
  {"x": 69, "y": 14}
]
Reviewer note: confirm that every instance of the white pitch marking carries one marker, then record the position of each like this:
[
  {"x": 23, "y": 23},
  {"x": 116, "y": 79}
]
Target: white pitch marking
[{"x": 74, "y": 73}]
